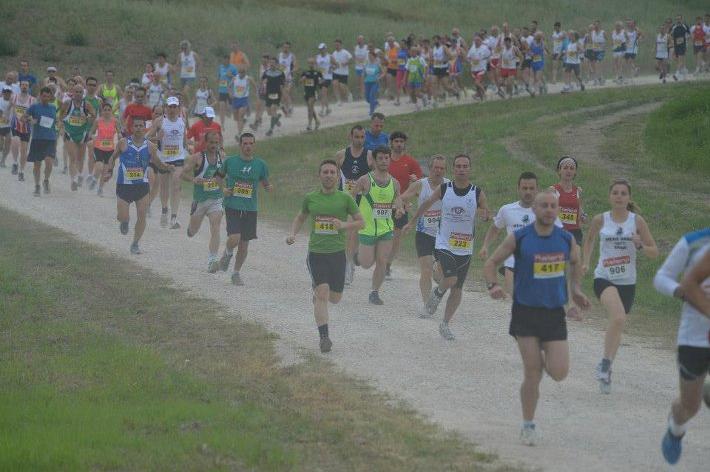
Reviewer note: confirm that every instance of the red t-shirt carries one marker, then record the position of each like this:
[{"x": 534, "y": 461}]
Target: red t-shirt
[
  {"x": 402, "y": 168},
  {"x": 198, "y": 132},
  {"x": 135, "y": 110}
]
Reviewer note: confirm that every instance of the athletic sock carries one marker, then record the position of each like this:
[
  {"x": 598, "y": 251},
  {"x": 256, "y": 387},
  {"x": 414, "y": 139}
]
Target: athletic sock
[
  {"x": 173, "y": 215},
  {"x": 606, "y": 365},
  {"x": 274, "y": 120},
  {"x": 165, "y": 210},
  {"x": 229, "y": 252},
  {"x": 323, "y": 330},
  {"x": 529, "y": 424},
  {"x": 677, "y": 430}
]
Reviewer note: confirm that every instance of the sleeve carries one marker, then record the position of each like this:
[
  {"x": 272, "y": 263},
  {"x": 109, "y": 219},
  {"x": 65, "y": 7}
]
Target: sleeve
[
  {"x": 666, "y": 279},
  {"x": 499, "y": 219},
  {"x": 304, "y": 205},
  {"x": 191, "y": 133},
  {"x": 352, "y": 205}
]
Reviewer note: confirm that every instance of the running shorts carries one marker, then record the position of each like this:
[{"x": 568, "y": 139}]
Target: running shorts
[
  {"x": 392, "y": 72},
  {"x": 240, "y": 102},
  {"x": 327, "y": 269},
  {"x": 589, "y": 54},
  {"x": 598, "y": 56},
  {"x": 241, "y": 222},
  {"x": 693, "y": 362},
  {"x": 453, "y": 265},
  {"x": 424, "y": 244},
  {"x": 494, "y": 63},
  {"x": 679, "y": 50},
  {"x": 273, "y": 99},
  {"x": 546, "y": 324},
  {"x": 527, "y": 63},
  {"x": 5, "y": 131},
  {"x": 78, "y": 138},
  {"x": 359, "y": 72},
  {"x": 572, "y": 68},
  {"x": 24, "y": 137},
  {"x": 538, "y": 66},
  {"x": 626, "y": 292},
  {"x": 441, "y": 71},
  {"x": 505, "y": 73},
  {"x": 102, "y": 156},
  {"x": 41, "y": 149},
  {"x": 342, "y": 78},
  {"x": 207, "y": 207},
  {"x": 224, "y": 97},
  {"x": 368, "y": 240},
  {"x": 177, "y": 163},
  {"x": 130, "y": 193},
  {"x": 698, "y": 49},
  {"x": 325, "y": 83}
]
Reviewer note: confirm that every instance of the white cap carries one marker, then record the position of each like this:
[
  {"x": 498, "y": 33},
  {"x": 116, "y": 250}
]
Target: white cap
[
  {"x": 51, "y": 69},
  {"x": 209, "y": 112},
  {"x": 6, "y": 88},
  {"x": 321, "y": 46},
  {"x": 172, "y": 101}
]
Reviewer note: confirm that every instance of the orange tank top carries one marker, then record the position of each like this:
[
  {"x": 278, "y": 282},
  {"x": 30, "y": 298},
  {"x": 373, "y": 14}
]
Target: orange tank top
[
  {"x": 392, "y": 58},
  {"x": 105, "y": 132}
]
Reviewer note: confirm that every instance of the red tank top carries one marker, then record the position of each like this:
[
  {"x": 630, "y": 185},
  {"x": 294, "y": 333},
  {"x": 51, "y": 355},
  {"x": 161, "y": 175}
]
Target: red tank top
[
  {"x": 105, "y": 131},
  {"x": 569, "y": 207},
  {"x": 698, "y": 36}
]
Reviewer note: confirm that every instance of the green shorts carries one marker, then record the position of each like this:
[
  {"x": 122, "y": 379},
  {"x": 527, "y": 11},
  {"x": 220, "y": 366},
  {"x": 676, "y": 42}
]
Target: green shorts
[{"x": 369, "y": 240}]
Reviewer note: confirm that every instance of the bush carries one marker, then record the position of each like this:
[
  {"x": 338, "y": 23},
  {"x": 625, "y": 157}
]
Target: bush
[
  {"x": 8, "y": 47},
  {"x": 76, "y": 38}
]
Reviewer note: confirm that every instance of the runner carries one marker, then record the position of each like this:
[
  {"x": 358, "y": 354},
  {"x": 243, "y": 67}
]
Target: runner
[
  {"x": 706, "y": 27},
  {"x": 379, "y": 201},
  {"x": 598, "y": 37},
  {"x": 406, "y": 170},
  {"x": 375, "y": 137},
  {"x": 538, "y": 52},
  {"x": 92, "y": 88},
  {"x": 391, "y": 54},
  {"x": 460, "y": 201},
  {"x": 374, "y": 73},
  {"x": 20, "y": 129},
  {"x": 325, "y": 64},
  {"x": 341, "y": 72},
  {"x": 163, "y": 68},
  {"x": 126, "y": 99},
  {"x": 570, "y": 198},
  {"x": 43, "y": 117},
  {"x": 559, "y": 38},
  {"x": 697, "y": 33},
  {"x": 311, "y": 79},
  {"x": 225, "y": 73},
  {"x": 188, "y": 63},
  {"x": 153, "y": 179},
  {"x": 134, "y": 109},
  {"x": 239, "y": 89},
  {"x": 402, "y": 57},
  {"x": 509, "y": 55},
  {"x": 572, "y": 61},
  {"x": 133, "y": 154},
  {"x": 679, "y": 34},
  {"x": 197, "y": 133},
  {"x": 691, "y": 255},
  {"x": 633, "y": 36},
  {"x": 273, "y": 81},
  {"x": 242, "y": 174},
  {"x": 156, "y": 92},
  {"x": 440, "y": 58},
  {"x": 27, "y": 75},
  {"x": 203, "y": 98},
  {"x": 109, "y": 91},
  {"x": 415, "y": 77},
  {"x": 622, "y": 233},
  {"x": 618, "y": 45},
  {"x": 103, "y": 131},
  {"x": 237, "y": 57},
  {"x": 494, "y": 42},
  {"x": 427, "y": 224},
  {"x": 203, "y": 170},
  {"x": 360, "y": 53},
  {"x": 354, "y": 162},
  {"x": 171, "y": 131},
  {"x": 663, "y": 45},
  {"x": 5, "y": 124},
  {"x": 542, "y": 252},
  {"x": 287, "y": 64},
  {"x": 78, "y": 116},
  {"x": 329, "y": 210},
  {"x": 147, "y": 77},
  {"x": 478, "y": 57},
  {"x": 261, "y": 94}
]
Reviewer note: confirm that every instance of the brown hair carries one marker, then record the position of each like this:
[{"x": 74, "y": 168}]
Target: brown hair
[{"x": 632, "y": 206}]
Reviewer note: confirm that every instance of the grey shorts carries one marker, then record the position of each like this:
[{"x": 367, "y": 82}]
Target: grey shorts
[{"x": 209, "y": 206}]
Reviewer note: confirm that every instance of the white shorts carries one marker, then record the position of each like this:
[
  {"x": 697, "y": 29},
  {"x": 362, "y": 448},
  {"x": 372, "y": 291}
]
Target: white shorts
[{"x": 209, "y": 206}]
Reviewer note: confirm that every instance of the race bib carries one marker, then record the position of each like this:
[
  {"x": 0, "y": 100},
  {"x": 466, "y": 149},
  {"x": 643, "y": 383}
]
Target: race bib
[
  {"x": 616, "y": 267},
  {"x": 325, "y": 225},
  {"x": 617, "y": 43},
  {"x": 243, "y": 189},
  {"x": 537, "y": 58},
  {"x": 401, "y": 62},
  {"x": 106, "y": 143},
  {"x": 549, "y": 266},
  {"x": 19, "y": 111},
  {"x": 189, "y": 69},
  {"x": 3, "y": 121},
  {"x": 698, "y": 42},
  {"x": 171, "y": 150},
  {"x": 349, "y": 185},
  {"x": 223, "y": 84},
  {"x": 431, "y": 219},
  {"x": 240, "y": 90},
  {"x": 679, "y": 41},
  {"x": 273, "y": 96},
  {"x": 597, "y": 45},
  {"x": 475, "y": 62},
  {"x": 572, "y": 54},
  {"x": 412, "y": 68},
  {"x": 309, "y": 83},
  {"x": 210, "y": 185},
  {"x": 508, "y": 64},
  {"x": 77, "y": 120},
  {"x": 568, "y": 216},
  {"x": 462, "y": 241},
  {"x": 134, "y": 173},
  {"x": 382, "y": 211},
  {"x": 46, "y": 122}
]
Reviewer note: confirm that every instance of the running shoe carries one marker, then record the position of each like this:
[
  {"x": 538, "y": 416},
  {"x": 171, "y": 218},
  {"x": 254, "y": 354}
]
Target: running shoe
[
  {"x": 388, "y": 273},
  {"x": 224, "y": 262},
  {"x": 123, "y": 227},
  {"x": 325, "y": 344},
  {"x": 14, "y": 169},
  {"x": 604, "y": 378},
  {"x": 309, "y": 129},
  {"x": 213, "y": 266},
  {"x": 349, "y": 272},
  {"x": 74, "y": 186},
  {"x": 433, "y": 303},
  {"x": 92, "y": 183},
  {"x": 528, "y": 435},
  {"x": 79, "y": 180},
  {"x": 423, "y": 313},
  {"x": 21, "y": 176},
  {"x": 375, "y": 298},
  {"x": 2, "y": 164},
  {"x": 45, "y": 184},
  {"x": 64, "y": 170},
  {"x": 278, "y": 119},
  {"x": 36, "y": 192},
  {"x": 501, "y": 93},
  {"x": 174, "y": 223},
  {"x": 445, "y": 332},
  {"x": 164, "y": 220},
  {"x": 706, "y": 394},
  {"x": 237, "y": 279},
  {"x": 135, "y": 249},
  {"x": 269, "y": 132},
  {"x": 581, "y": 86},
  {"x": 100, "y": 192},
  {"x": 671, "y": 447}
]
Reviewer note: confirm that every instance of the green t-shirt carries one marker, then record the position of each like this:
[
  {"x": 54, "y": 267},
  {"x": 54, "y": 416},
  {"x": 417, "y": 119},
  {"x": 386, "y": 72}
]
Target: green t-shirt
[
  {"x": 243, "y": 177},
  {"x": 323, "y": 207}
]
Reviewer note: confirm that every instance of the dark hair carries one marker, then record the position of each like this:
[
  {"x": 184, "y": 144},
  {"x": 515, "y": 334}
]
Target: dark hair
[
  {"x": 462, "y": 155},
  {"x": 527, "y": 175},
  {"x": 210, "y": 133},
  {"x": 161, "y": 54},
  {"x": 507, "y": 38},
  {"x": 46, "y": 90},
  {"x": 557, "y": 23},
  {"x": 398, "y": 135},
  {"x": 356, "y": 128},
  {"x": 632, "y": 206},
  {"x": 91, "y": 77},
  {"x": 559, "y": 162},
  {"x": 139, "y": 89},
  {"x": 377, "y": 115},
  {"x": 381, "y": 150},
  {"x": 246, "y": 135},
  {"x": 107, "y": 71},
  {"x": 106, "y": 104},
  {"x": 326, "y": 162}
]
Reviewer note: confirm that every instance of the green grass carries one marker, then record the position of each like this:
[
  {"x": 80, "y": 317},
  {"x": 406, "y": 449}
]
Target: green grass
[
  {"x": 687, "y": 121},
  {"x": 124, "y": 34},
  {"x": 123, "y": 372}
]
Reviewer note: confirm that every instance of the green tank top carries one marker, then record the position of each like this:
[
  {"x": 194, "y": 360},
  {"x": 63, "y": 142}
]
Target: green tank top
[
  {"x": 210, "y": 189},
  {"x": 76, "y": 122},
  {"x": 376, "y": 207},
  {"x": 95, "y": 104}
]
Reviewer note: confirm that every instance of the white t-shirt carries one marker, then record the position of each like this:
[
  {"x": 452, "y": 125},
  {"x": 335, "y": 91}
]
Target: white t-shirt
[
  {"x": 360, "y": 53},
  {"x": 325, "y": 66},
  {"x": 14, "y": 86},
  {"x": 5, "y": 118},
  {"x": 342, "y": 58},
  {"x": 513, "y": 217},
  {"x": 478, "y": 57}
]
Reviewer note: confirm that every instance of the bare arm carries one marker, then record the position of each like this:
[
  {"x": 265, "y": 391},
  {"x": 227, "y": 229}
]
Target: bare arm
[
  {"x": 296, "y": 227},
  {"x": 413, "y": 190},
  {"x": 590, "y": 240},
  {"x": 501, "y": 253},
  {"x": 188, "y": 172},
  {"x": 491, "y": 235},
  {"x": 576, "y": 272},
  {"x": 483, "y": 206},
  {"x": 645, "y": 239},
  {"x": 692, "y": 285}
]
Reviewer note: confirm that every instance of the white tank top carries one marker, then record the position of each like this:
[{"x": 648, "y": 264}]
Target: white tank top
[
  {"x": 155, "y": 95},
  {"x": 187, "y": 65},
  {"x": 632, "y": 44},
  {"x": 439, "y": 56},
  {"x": 557, "y": 40},
  {"x": 694, "y": 329},
  {"x": 240, "y": 86},
  {"x": 572, "y": 54},
  {"x": 508, "y": 58},
  {"x": 618, "y": 40},
  {"x": 429, "y": 222},
  {"x": 360, "y": 53},
  {"x": 171, "y": 144},
  {"x": 598, "y": 40},
  {"x": 617, "y": 252},
  {"x": 458, "y": 216},
  {"x": 662, "y": 46},
  {"x": 163, "y": 70},
  {"x": 201, "y": 97},
  {"x": 5, "y": 119},
  {"x": 325, "y": 66},
  {"x": 285, "y": 63}
]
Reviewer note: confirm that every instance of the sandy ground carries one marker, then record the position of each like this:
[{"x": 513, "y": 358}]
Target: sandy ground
[{"x": 469, "y": 385}]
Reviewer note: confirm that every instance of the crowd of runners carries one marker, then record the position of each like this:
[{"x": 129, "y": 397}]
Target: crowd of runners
[{"x": 141, "y": 135}]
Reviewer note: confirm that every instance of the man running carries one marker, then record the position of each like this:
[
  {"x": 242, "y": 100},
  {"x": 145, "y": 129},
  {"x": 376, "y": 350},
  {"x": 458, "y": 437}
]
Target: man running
[
  {"x": 103, "y": 133},
  {"x": 427, "y": 224},
  {"x": 242, "y": 173},
  {"x": 559, "y": 38},
  {"x": 78, "y": 116},
  {"x": 325, "y": 63},
  {"x": 109, "y": 91},
  {"x": 43, "y": 117},
  {"x": 342, "y": 58},
  {"x": 680, "y": 33},
  {"x": 691, "y": 255},
  {"x": 198, "y": 131},
  {"x": 202, "y": 169},
  {"x": 239, "y": 90},
  {"x": 21, "y": 129},
  {"x": 379, "y": 202},
  {"x": 171, "y": 131},
  {"x": 188, "y": 63},
  {"x": 329, "y": 210},
  {"x": 478, "y": 57},
  {"x": 134, "y": 153},
  {"x": 460, "y": 201},
  {"x": 375, "y": 137},
  {"x": 542, "y": 254},
  {"x": 406, "y": 170},
  {"x": 287, "y": 64},
  {"x": 225, "y": 73},
  {"x": 360, "y": 53},
  {"x": 311, "y": 79},
  {"x": 5, "y": 123},
  {"x": 92, "y": 89},
  {"x": 273, "y": 82},
  {"x": 135, "y": 109}
]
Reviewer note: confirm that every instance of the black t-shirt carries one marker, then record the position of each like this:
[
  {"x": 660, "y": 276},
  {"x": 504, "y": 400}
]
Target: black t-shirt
[
  {"x": 311, "y": 80},
  {"x": 275, "y": 79},
  {"x": 679, "y": 32}
]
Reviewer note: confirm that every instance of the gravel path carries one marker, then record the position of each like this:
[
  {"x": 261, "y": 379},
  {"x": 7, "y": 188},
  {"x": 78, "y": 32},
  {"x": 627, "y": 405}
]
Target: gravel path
[{"x": 470, "y": 385}]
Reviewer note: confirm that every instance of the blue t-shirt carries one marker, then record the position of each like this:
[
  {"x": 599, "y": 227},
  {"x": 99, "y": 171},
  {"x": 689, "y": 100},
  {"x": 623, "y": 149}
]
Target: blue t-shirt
[
  {"x": 225, "y": 74},
  {"x": 371, "y": 142},
  {"x": 372, "y": 72},
  {"x": 540, "y": 264},
  {"x": 46, "y": 116},
  {"x": 27, "y": 78}
]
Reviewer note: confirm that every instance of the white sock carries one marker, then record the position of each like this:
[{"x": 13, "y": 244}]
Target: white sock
[{"x": 676, "y": 429}]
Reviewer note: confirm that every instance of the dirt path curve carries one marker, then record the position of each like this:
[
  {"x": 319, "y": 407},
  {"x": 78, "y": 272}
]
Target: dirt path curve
[{"x": 470, "y": 385}]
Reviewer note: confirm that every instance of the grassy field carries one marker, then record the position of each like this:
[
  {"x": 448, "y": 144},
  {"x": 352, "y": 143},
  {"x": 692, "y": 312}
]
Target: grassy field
[
  {"x": 508, "y": 137},
  {"x": 122, "y": 372},
  {"x": 122, "y": 35}
]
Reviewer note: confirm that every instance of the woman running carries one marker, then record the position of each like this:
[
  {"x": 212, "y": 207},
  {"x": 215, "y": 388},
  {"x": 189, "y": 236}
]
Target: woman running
[
  {"x": 104, "y": 132},
  {"x": 570, "y": 197}
]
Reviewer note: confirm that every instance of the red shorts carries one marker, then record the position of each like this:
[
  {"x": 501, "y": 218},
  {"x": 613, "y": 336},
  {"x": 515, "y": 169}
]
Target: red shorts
[
  {"x": 505, "y": 73},
  {"x": 494, "y": 63},
  {"x": 478, "y": 75},
  {"x": 401, "y": 78}
]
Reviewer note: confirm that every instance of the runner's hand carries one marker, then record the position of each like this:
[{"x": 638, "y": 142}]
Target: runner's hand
[
  {"x": 483, "y": 253},
  {"x": 227, "y": 191},
  {"x": 580, "y": 299},
  {"x": 638, "y": 242},
  {"x": 412, "y": 177},
  {"x": 268, "y": 187},
  {"x": 497, "y": 293},
  {"x": 398, "y": 213},
  {"x": 199, "y": 180},
  {"x": 574, "y": 314},
  {"x": 290, "y": 239}
]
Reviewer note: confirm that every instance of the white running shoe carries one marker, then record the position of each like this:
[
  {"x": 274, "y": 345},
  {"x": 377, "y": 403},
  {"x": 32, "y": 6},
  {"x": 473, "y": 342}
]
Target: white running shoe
[
  {"x": 706, "y": 394},
  {"x": 349, "y": 272},
  {"x": 423, "y": 313},
  {"x": 528, "y": 435},
  {"x": 164, "y": 220},
  {"x": 445, "y": 332},
  {"x": 604, "y": 378},
  {"x": 433, "y": 303}
]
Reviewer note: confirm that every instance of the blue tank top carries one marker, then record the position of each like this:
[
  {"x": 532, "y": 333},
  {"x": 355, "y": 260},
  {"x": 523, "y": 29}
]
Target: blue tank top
[
  {"x": 402, "y": 57},
  {"x": 133, "y": 164},
  {"x": 538, "y": 51},
  {"x": 540, "y": 263}
]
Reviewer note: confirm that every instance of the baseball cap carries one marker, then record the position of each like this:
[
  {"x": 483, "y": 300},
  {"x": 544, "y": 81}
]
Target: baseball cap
[
  {"x": 209, "y": 112},
  {"x": 172, "y": 101},
  {"x": 51, "y": 69},
  {"x": 321, "y": 46},
  {"x": 6, "y": 88}
]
